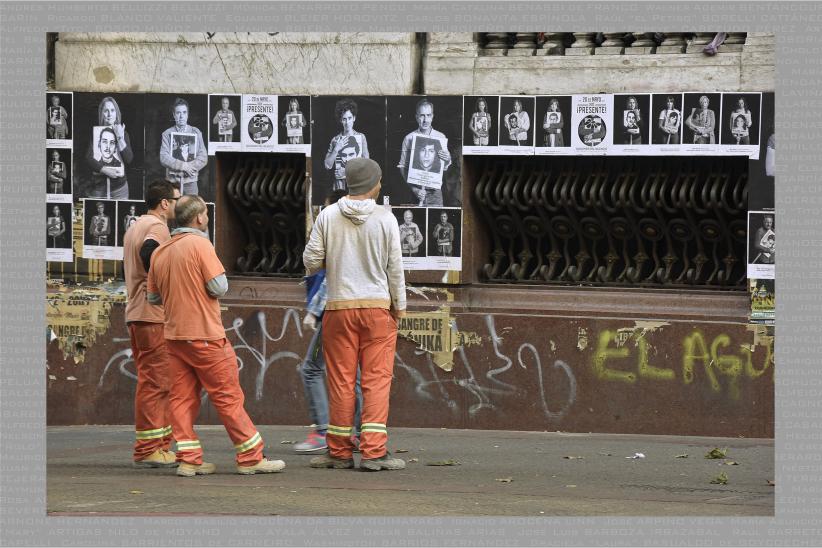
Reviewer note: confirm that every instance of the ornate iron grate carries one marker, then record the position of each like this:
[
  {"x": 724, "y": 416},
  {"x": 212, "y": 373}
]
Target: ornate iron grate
[
  {"x": 268, "y": 194},
  {"x": 649, "y": 221}
]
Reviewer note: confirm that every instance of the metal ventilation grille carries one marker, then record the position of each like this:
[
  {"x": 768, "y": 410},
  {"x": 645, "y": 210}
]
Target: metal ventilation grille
[
  {"x": 650, "y": 221},
  {"x": 268, "y": 194}
]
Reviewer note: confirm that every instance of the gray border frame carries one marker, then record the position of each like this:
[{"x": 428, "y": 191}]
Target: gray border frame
[{"x": 22, "y": 304}]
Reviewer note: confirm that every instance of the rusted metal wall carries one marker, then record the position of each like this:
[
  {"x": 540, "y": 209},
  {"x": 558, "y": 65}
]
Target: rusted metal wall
[{"x": 568, "y": 359}]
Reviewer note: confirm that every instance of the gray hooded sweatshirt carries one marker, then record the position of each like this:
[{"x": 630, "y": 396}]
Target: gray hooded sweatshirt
[{"x": 358, "y": 243}]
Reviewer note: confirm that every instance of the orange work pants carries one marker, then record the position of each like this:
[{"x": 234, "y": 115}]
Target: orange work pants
[
  {"x": 367, "y": 336},
  {"x": 151, "y": 422},
  {"x": 211, "y": 365}
]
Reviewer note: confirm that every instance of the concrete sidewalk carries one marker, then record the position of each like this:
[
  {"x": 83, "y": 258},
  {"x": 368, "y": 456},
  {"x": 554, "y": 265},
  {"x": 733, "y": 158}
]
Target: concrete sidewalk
[{"x": 90, "y": 473}]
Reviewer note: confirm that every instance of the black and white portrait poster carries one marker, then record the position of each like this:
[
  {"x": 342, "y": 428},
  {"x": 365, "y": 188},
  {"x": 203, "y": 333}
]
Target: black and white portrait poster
[
  {"x": 168, "y": 114},
  {"x": 109, "y": 146},
  {"x": 516, "y": 127},
  {"x": 412, "y": 221},
  {"x": 59, "y": 119},
  {"x": 295, "y": 124},
  {"x": 702, "y": 112},
  {"x": 128, "y": 211},
  {"x": 479, "y": 124},
  {"x": 433, "y": 117},
  {"x": 426, "y": 161},
  {"x": 631, "y": 123},
  {"x": 345, "y": 127},
  {"x": 259, "y": 123},
  {"x": 592, "y": 129},
  {"x": 99, "y": 229},
  {"x": 761, "y": 245},
  {"x": 553, "y": 125},
  {"x": 58, "y": 232},
  {"x": 224, "y": 122},
  {"x": 444, "y": 233},
  {"x": 741, "y": 124},
  {"x": 58, "y": 175},
  {"x": 666, "y": 123}
]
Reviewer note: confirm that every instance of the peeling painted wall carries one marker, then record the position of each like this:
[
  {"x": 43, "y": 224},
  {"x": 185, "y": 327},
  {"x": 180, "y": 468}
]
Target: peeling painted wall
[{"x": 506, "y": 371}]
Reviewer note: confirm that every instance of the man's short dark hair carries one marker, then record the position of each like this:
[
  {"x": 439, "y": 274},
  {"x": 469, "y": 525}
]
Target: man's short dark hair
[
  {"x": 188, "y": 207},
  {"x": 344, "y": 105},
  {"x": 157, "y": 191},
  {"x": 179, "y": 101}
]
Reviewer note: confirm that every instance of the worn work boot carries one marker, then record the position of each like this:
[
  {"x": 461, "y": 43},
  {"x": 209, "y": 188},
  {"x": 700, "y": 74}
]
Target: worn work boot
[
  {"x": 265, "y": 466},
  {"x": 158, "y": 459},
  {"x": 327, "y": 461},
  {"x": 385, "y": 462},
  {"x": 314, "y": 443},
  {"x": 190, "y": 470}
]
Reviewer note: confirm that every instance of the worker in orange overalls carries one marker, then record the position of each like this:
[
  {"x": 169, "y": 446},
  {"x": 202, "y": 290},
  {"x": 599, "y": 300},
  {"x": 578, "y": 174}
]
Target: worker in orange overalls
[
  {"x": 145, "y": 329},
  {"x": 187, "y": 278}
]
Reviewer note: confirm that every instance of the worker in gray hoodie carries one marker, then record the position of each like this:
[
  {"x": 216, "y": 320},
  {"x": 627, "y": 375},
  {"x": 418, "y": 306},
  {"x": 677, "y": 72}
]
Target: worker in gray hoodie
[{"x": 358, "y": 243}]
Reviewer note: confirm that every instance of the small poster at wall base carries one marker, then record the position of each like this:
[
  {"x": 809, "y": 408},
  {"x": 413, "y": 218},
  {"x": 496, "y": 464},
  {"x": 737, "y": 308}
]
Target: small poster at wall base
[{"x": 763, "y": 300}]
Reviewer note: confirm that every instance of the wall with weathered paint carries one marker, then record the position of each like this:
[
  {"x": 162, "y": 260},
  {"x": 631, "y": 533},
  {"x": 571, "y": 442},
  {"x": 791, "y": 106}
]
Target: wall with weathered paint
[{"x": 579, "y": 371}]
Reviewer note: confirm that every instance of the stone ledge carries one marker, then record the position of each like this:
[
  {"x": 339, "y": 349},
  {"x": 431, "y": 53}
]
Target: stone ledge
[{"x": 242, "y": 37}]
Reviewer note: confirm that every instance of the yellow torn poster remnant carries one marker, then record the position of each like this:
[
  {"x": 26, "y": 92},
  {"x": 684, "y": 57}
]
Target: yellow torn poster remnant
[
  {"x": 435, "y": 332},
  {"x": 75, "y": 318}
]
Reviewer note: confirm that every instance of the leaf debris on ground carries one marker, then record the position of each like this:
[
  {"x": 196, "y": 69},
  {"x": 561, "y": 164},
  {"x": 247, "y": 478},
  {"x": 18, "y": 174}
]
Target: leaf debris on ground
[
  {"x": 572, "y": 457},
  {"x": 136, "y": 492},
  {"x": 721, "y": 479},
  {"x": 731, "y": 463},
  {"x": 505, "y": 480},
  {"x": 413, "y": 460},
  {"x": 447, "y": 462},
  {"x": 401, "y": 450},
  {"x": 636, "y": 456},
  {"x": 287, "y": 442},
  {"x": 716, "y": 453},
  {"x": 682, "y": 456},
  {"x": 606, "y": 454}
]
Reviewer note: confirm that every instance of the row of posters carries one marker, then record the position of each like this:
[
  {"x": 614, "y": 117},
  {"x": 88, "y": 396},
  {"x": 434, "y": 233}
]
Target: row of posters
[
  {"x": 617, "y": 124},
  {"x": 104, "y": 225},
  {"x": 106, "y": 145}
]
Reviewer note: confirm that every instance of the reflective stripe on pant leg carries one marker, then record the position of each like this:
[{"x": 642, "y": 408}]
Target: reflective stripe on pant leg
[
  {"x": 374, "y": 427},
  {"x": 344, "y": 431},
  {"x": 157, "y": 433},
  {"x": 248, "y": 444},
  {"x": 188, "y": 445}
]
